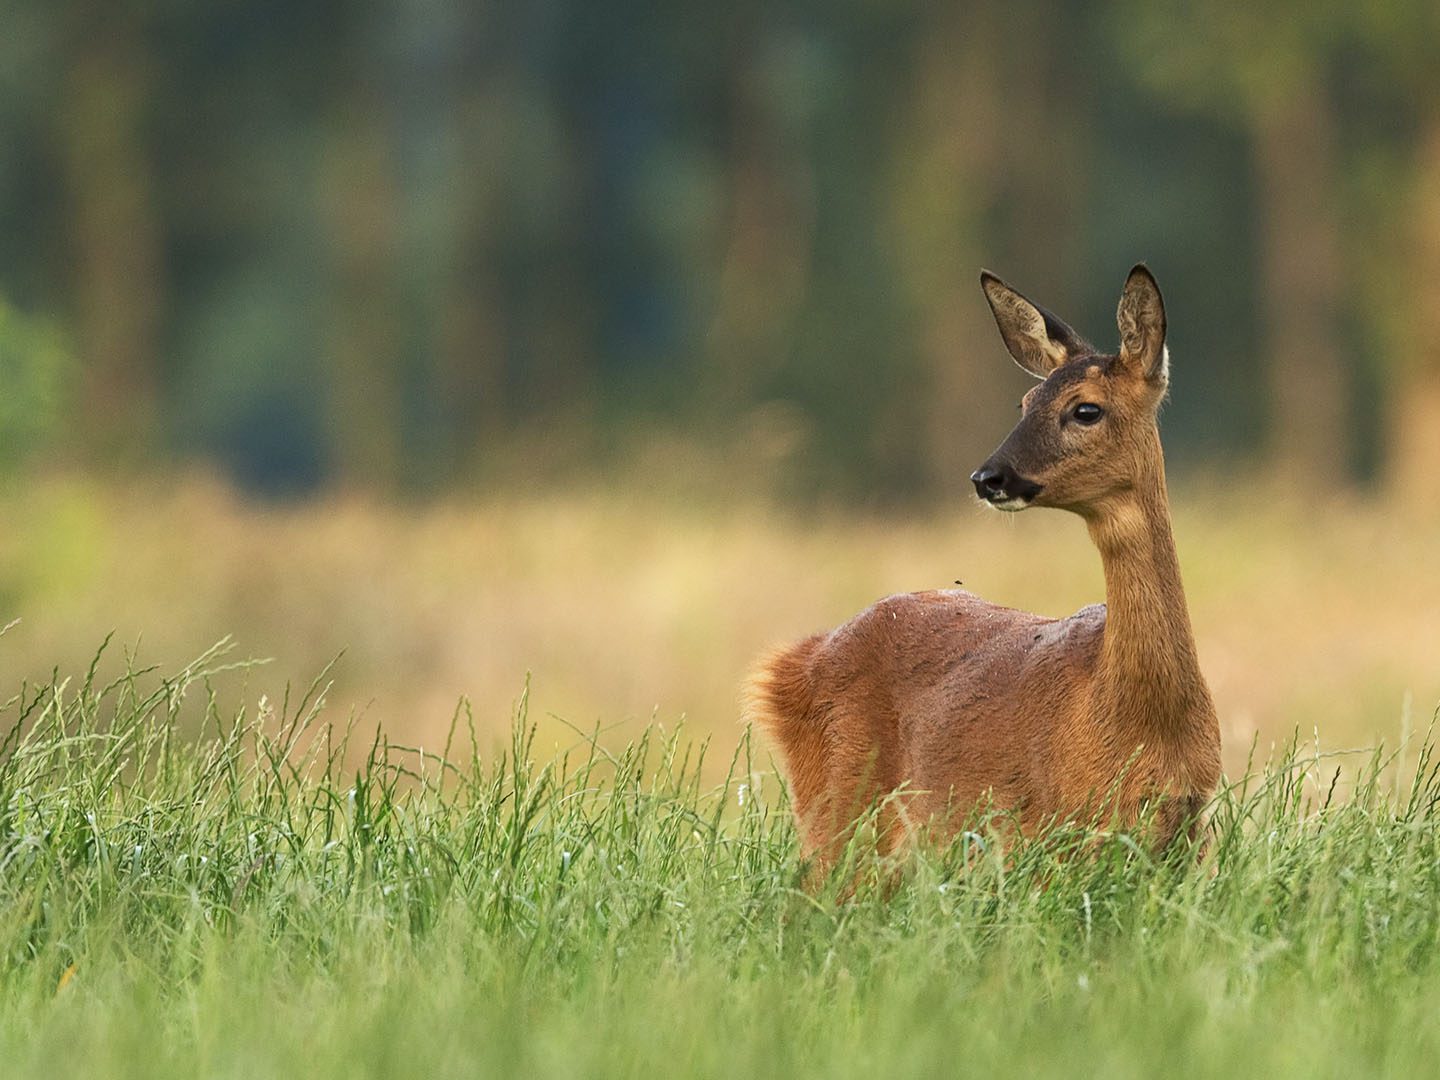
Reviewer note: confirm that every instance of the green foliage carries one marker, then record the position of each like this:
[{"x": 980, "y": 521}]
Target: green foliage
[
  {"x": 1226, "y": 57},
  {"x": 245, "y": 903},
  {"x": 36, "y": 376},
  {"x": 385, "y": 244}
]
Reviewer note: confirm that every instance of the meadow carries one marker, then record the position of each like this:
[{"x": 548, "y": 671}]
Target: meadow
[
  {"x": 408, "y": 863},
  {"x": 244, "y": 903}
]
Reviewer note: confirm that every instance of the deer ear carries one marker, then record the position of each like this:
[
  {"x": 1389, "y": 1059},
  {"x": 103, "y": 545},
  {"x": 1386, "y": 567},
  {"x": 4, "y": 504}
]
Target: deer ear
[
  {"x": 1141, "y": 316},
  {"x": 1037, "y": 340}
]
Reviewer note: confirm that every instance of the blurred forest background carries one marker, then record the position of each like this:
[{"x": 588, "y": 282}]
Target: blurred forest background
[{"x": 268, "y": 267}]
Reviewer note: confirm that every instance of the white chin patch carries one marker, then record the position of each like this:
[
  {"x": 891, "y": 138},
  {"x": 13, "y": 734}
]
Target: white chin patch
[{"x": 1011, "y": 505}]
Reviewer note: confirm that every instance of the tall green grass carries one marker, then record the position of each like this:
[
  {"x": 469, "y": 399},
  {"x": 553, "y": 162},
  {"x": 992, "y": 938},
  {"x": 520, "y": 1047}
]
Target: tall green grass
[{"x": 271, "y": 896}]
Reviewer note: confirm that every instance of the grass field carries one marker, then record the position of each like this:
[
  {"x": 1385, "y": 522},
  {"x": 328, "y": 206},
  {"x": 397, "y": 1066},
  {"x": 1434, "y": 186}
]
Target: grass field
[{"x": 246, "y": 902}]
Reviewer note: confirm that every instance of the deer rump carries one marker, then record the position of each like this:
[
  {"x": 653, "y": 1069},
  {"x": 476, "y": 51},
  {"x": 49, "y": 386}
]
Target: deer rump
[{"x": 940, "y": 695}]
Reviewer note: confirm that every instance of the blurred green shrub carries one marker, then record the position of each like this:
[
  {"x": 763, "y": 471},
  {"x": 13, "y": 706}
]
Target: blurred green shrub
[{"x": 37, "y": 374}]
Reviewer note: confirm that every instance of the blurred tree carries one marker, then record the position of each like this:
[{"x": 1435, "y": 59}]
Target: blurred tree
[
  {"x": 358, "y": 192},
  {"x": 949, "y": 176},
  {"x": 243, "y": 104},
  {"x": 993, "y": 106},
  {"x": 391, "y": 243},
  {"x": 118, "y": 281},
  {"x": 764, "y": 263},
  {"x": 472, "y": 76},
  {"x": 1399, "y": 41},
  {"x": 1264, "y": 67},
  {"x": 1414, "y": 452}
]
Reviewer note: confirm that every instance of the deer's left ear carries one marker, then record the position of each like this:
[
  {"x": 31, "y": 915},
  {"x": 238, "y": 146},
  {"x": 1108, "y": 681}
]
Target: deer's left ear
[{"x": 1141, "y": 316}]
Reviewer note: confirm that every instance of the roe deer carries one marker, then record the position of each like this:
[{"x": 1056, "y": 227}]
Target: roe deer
[{"x": 950, "y": 701}]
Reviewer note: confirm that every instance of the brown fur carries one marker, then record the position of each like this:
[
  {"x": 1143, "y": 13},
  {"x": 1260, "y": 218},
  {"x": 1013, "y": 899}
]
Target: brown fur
[{"x": 953, "y": 701}]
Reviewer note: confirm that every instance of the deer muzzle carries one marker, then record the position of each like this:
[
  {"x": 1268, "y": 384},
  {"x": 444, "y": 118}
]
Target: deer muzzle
[{"x": 1002, "y": 487}]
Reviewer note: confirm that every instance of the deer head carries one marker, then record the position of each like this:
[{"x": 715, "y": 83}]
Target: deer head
[{"x": 1088, "y": 431}]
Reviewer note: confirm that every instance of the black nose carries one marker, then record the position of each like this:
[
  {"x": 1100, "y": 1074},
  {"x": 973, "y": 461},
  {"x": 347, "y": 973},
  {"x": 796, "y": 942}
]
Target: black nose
[
  {"x": 999, "y": 483},
  {"x": 989, "y": 482}
]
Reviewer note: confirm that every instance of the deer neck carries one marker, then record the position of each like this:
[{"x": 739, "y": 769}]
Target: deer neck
[{"x": 1149, "y": 679}]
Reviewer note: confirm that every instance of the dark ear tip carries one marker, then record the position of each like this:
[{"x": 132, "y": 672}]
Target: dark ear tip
[{"x": 987, "y": 279}]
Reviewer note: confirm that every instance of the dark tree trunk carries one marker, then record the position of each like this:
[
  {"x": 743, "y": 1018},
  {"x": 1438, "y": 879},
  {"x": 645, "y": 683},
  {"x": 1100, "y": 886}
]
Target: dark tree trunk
[
  {"x": 955, "y": 163},
  {"x": 118, "y": 283},
  {"x": 764, "y": 267},
  {"x": 1302, "y": 284},
  {"x": 359, "y": 197},
  {"x": 1414, "y": 456}
]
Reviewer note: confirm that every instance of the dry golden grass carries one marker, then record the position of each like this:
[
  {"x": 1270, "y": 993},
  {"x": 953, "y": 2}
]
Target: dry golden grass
[{"x": 625, "y": 606}]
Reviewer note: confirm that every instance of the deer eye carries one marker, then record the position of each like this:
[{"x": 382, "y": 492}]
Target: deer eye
[{"x": 1087, "y": 412}]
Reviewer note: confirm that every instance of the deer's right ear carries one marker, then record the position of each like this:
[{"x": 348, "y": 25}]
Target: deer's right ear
[{"x": 1037, "y": 340}]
